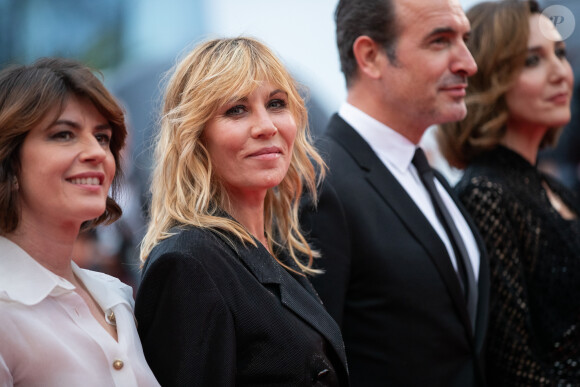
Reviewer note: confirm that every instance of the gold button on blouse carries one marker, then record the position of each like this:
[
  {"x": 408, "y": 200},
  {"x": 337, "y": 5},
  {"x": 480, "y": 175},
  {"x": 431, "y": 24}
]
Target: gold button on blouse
[
  {"x": 118, "y": 364},
  {"x": 110, "y": 318}
]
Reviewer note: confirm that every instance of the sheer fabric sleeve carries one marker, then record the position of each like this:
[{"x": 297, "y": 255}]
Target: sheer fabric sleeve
[{"x": 499, "y": 218}]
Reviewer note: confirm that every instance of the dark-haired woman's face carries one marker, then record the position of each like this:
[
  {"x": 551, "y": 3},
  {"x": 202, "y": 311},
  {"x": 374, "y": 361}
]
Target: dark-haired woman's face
[
  {"x": 67, "y": 166},
  {"x": 540, "y": 98}
]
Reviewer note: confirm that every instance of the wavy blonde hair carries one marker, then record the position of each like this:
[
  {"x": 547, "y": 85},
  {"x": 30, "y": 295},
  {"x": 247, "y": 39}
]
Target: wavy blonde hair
[
  {"x": 498, "y": 43},
  {"x": 185, "y": 190}
]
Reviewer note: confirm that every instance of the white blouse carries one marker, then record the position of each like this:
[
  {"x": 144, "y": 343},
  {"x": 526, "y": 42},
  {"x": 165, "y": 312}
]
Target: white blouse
[{"x": 48, "y": 336}]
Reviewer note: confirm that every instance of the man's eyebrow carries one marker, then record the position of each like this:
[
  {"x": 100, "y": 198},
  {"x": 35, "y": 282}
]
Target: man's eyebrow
[
  {"x": 441, "y": 31},
  {"x": 446, "y": 30}
]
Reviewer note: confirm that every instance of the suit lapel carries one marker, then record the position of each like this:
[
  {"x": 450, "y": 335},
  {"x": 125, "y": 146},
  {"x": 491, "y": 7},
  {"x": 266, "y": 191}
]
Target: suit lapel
[
  {"x": 296, "y": 293},
  {"x": 395, "y": 196}
]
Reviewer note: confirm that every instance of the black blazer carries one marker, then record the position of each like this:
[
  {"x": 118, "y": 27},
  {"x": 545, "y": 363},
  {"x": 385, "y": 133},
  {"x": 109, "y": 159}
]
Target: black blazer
[
  {"x": 389, "y": 281},
  {"x": 212, "y": 312}
]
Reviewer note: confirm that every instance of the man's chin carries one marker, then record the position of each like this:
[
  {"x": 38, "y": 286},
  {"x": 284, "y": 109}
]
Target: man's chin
[{"x": 456, "y": 113}]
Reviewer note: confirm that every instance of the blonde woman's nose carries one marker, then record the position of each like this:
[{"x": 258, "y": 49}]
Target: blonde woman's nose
[{"x": 263, "y": 125}]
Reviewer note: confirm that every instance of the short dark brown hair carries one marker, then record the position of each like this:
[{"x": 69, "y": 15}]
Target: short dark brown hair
[
  {"x": 373, "y": 18},
  {"x": 27, "y": 95}
]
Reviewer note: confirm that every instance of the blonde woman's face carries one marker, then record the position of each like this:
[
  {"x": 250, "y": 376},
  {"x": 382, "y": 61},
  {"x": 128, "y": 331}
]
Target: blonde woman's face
[
  {"x": 250, "y": 141},
  {"x": 540, "y": 98}
]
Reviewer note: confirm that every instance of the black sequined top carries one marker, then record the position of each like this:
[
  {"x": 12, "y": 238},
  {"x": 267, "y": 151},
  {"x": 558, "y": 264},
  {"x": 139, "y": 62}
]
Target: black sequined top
[{"x": 534, "y": 253}]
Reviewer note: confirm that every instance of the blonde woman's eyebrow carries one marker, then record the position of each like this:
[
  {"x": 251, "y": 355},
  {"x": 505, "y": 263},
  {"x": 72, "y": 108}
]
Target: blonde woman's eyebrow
[{"x": 278, "y": 91}]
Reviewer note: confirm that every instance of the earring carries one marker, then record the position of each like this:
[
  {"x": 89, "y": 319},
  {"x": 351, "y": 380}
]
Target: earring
[{"x": 15, "y": 183}]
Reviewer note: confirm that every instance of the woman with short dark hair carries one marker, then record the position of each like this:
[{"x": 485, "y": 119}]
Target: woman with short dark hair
[{"x": 61, "y": 135}]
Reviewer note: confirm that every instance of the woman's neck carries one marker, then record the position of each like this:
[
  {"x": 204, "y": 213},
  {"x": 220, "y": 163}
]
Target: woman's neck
[
  {"x": 524, "y": 140},
  {"x": 249, "y": 211},
  {"x": 50, "y": 246}
]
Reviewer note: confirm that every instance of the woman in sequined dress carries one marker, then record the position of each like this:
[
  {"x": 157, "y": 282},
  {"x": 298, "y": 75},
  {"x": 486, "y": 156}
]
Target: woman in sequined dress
[{"x": 517, "y": 102}]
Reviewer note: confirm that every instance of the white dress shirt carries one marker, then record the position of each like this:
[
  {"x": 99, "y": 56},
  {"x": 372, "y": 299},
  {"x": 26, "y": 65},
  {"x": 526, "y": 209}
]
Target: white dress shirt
[
  {"x": 396, "y": 153},
  {"x": 48, "y": 336}
]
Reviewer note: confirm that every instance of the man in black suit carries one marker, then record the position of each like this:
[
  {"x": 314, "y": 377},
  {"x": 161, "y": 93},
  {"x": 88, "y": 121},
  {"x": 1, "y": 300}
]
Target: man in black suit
[{"x": 393, "y": 266}]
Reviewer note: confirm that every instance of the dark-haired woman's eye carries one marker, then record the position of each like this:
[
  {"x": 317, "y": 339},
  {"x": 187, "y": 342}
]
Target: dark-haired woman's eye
[
  {"x": 103, "y": 139},
  {"x": 63, "y": 135},
  {"x": 561, "y": 52},
  {"x": 532, "y": 60}
]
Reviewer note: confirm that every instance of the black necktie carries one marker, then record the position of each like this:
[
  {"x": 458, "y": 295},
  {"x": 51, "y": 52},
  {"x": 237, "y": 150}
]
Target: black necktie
[{"x": 467, "y": 278}]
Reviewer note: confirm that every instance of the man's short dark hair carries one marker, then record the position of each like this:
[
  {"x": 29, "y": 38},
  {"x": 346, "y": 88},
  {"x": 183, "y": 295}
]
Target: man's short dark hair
[{"x": 373, "y": 18}]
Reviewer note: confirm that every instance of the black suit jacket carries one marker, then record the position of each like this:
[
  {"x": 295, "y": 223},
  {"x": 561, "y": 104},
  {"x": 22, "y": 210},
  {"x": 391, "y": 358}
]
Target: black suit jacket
[
  {"x": 389, "y": 281},
  {"x": 212, "y": 312}
]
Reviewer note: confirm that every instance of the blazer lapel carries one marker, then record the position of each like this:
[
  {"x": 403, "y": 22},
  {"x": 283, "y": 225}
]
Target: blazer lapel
[
  {"x": 302, "y": 302},
  {"x": 296, "y": 293},
  {"x": 395, "y": 196}
]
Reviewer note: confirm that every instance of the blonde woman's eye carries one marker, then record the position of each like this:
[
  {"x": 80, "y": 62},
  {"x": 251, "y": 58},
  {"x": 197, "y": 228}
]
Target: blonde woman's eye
[
  {"x": 277, "y": 104},
  {"x": 236, "y": 110}
]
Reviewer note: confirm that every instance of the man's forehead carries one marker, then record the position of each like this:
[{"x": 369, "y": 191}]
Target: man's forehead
[
  {"x": 418, "y": 5},
  {"x": 431, "y": 15}
]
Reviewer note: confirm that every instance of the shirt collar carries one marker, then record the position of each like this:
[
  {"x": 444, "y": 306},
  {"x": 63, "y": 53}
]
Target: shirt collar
[
  {"x": 24, "y": 280},
  {"x": 108, "y": 291},
  {"x": 390, "y": 146}
]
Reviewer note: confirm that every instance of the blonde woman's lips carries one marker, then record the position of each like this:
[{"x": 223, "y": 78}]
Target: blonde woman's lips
[{"x": 266, "y": 153}]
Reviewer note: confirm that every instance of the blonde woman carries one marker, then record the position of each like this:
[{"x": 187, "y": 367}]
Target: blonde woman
[{"x": 225, "y": 299}]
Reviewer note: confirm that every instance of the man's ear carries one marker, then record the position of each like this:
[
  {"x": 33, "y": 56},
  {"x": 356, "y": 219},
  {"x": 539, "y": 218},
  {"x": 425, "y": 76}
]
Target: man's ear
[{"x": 369, "y": 56}]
